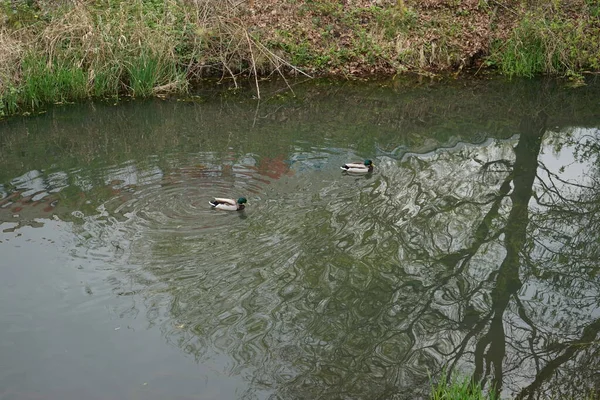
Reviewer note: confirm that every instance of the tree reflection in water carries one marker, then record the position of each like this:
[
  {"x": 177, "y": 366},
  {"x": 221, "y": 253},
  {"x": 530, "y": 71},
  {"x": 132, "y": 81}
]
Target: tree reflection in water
[{"x": 481, "y": 259}]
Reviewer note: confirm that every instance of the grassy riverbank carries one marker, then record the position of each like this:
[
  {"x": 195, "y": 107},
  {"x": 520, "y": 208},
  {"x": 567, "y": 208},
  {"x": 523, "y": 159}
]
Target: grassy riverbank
[{"x": 56, "y": 51}]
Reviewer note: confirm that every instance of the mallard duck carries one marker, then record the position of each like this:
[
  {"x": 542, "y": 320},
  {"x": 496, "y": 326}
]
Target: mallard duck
[
  {"x": 228, "y": 204},
  {"x": 358, "y": 168}
]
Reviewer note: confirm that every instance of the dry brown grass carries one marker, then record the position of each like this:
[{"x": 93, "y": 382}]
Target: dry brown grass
[
  {"x": 11, "y": 50},
  {"x": 142, "y": 47}
]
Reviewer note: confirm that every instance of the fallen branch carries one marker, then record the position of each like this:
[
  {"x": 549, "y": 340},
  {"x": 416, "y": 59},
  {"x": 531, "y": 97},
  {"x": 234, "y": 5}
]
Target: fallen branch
[{"x": 253, "y": 63}]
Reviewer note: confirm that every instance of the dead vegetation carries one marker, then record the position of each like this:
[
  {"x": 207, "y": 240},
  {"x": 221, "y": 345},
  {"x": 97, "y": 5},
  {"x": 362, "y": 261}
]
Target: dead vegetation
[{"x": 111, "y": 47}]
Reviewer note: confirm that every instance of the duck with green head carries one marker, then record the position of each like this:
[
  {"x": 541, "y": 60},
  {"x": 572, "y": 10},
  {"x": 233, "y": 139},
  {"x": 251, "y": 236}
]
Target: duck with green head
[
  {"x": 358, "y": 168},
  {"x": 221, "y": 203}
]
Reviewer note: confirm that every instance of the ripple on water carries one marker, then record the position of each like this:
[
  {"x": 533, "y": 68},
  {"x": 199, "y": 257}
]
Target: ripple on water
[{"x": 311, "y": 272}]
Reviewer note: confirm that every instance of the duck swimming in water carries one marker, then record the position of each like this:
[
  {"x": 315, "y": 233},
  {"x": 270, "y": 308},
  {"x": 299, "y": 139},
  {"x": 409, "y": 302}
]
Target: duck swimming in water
[
  {"x": 358, "y": 168},
  {"x": 221, "y": 203}
]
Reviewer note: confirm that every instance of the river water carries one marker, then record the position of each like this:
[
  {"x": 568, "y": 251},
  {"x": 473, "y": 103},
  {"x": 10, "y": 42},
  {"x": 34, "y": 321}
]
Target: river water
[{"x": 471, "y": 249}]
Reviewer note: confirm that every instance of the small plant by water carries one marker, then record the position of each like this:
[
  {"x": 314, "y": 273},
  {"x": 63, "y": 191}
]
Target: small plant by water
[{"x": 459, "y": 389}]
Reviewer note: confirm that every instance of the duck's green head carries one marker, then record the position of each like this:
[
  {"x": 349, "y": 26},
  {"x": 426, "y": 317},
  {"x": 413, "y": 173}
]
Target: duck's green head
[
  {"x": 242, "y": 200},
  {"x": 368, "y": 163}
]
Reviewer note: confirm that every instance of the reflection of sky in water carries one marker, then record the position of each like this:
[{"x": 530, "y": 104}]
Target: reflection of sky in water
[
  {"x": 37, "y": 184},
  {"x": 32, "y": 182},
  {"x": 563, "y": 162},
  {"x": 490, "y": 149},
  {"x": 84, "y": 183},
  {"x": 57, "y": 181},
  {"x": 128, "y": 174},
  {"x": 561, "y": 165},
  {"x": 131, "y": 174},
  {"x": 249, "y": 160}
]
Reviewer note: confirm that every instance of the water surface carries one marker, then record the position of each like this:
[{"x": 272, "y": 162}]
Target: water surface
[{"x": 472, "y": 247}]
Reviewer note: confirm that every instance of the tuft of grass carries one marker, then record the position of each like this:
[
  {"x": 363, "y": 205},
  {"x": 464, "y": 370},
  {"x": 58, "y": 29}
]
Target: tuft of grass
[
  {"x": 148, "y": 73},
  {"x": 9, "y": 101},
  {"x": 525, "y": 53},
  {"x": 50, "y": 83},
  {"x": 106, "y": 82},
  {"x": 457, "y": 389},
  {"x": 548, "y": 44}
]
